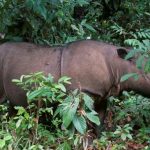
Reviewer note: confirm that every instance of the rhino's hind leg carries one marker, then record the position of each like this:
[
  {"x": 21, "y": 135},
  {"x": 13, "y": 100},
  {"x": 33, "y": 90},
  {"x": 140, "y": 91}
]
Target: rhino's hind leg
[
  {"x": 11, "y": 111},
  {"x": 2, "y": 96},
  {"x": 2, "y": 100},
  {"x": 101, "y": 108}
]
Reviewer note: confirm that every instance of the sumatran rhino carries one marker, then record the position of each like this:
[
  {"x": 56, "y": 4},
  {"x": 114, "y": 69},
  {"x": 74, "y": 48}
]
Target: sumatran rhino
[{"x": 95, "y": 68}]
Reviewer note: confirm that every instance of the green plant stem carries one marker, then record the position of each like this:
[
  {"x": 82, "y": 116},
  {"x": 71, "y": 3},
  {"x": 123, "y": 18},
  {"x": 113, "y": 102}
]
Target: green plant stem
[{"x": 37, "y": 119}]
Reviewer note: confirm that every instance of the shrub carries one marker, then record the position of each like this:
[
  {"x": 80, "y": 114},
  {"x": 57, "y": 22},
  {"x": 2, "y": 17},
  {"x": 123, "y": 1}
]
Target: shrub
[{"x": 67, "y": 124}]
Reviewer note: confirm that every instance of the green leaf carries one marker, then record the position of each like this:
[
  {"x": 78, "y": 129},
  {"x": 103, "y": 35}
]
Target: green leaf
[
  {"x": 132, "y": 42},
  {"x": 50, "y": 78},
  {"x": 29, "y": 3},
  {"x": 130, "y": 54},
  {"x": 123, "y": 137},
  {"x": 117, "y": 132},
  {"x": 129, "y": 75},
  {"x": 75, "y": 92},
  {"x": 129, "y": 136},
  {"x": 64, "y": 146},
  {"x": 7, "y": 137},
  {"x": 2, "y": 143},
  {"x": 59, "y": 110},
  {"x": 82, "y": 2},
  {"x": 76, "y": 141},
  {"x": 147, "y": 66},
  {"x": 16, "y": 81},
  {"x": 89, "y": 27},
  {"x": 62, "y": 87},
  {"x": 88, "y": 101},
  {"x": 42, "y": 11},
  {"x": 20, "y": 109},
  {"x": 69, "y": 113},
  {"x": 14, "y": 38},
  {"x": 26, "y": 115},
  {"x": 147, "y": 42},
  {"x": 139, "y": 62},
  {"x": 35, "y": 93},
  {"x": 74, "y": 27},
  {"x": 93, "y": 118},
  {"x": 64, "y": 79},
  {"x": 80, "y": 124},
  {"x": 19, "y": 123}
]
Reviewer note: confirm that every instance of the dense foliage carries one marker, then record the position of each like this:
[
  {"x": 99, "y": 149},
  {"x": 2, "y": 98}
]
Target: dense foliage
[
  {"x": 59, "y": 21},
  {"x": 42, "y": 125},
  {"x": 74, "y": 113}
]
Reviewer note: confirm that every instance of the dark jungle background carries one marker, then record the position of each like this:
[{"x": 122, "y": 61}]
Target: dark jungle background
[{"x": 56, "y": 22}]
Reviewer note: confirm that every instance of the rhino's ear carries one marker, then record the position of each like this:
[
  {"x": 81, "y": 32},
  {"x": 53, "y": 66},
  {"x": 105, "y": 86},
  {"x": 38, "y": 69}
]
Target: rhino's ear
[{"x": 122, "y": 52}]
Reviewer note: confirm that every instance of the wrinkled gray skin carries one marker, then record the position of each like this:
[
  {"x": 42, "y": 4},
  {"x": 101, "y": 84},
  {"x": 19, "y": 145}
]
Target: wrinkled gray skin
[{"x": 94, "y": 67}]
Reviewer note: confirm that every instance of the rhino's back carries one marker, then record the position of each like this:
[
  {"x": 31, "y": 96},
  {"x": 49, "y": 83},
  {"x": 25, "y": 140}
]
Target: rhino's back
[
  {"x": 85, "y": 62},
  {"x": 27, "y": 58}
]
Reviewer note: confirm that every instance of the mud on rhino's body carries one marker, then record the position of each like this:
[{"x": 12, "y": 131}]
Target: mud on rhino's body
[{"x": 95, "y": 67}]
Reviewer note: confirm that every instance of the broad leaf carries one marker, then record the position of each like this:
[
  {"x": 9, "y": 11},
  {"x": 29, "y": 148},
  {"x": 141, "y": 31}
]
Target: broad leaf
[
  {"x": 139, "y": 62},
  {"x": 82, "y": 2},
  {"x": 35, "y": 93},
  {"x": 20, "y": 109},
  {"x": 130, "y": 54},
  {"x": 64, "y": 146},
  {"x": 2, "y": 143},
  {"x": 89, "y": 27},
  {"x": 74, "y": 27},
  {"x": 93, "y": 118},
  {"x": 59, "y": 110},
  {"x": 88, "y": 101},
  {"x": 147, "y": 66},
  {"x": 130, "y": 75},
  {"x": 123, "y": 136},
  {"x": 62, "y": 87},
  {"x": 64, "y": 79},
  {"x": 69, "y": 113},
  {"x": 7, "y": 137},
  {"x": 15, "y": 80},
  {"x": 80, "y": 124},
  {"x": 129, "y": 136},
  {"x": 19, "y": 122}
]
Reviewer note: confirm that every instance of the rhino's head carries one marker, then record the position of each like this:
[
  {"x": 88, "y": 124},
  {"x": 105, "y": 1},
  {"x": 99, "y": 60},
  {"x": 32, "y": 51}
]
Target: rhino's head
[{"x": 122, "y": 53}]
